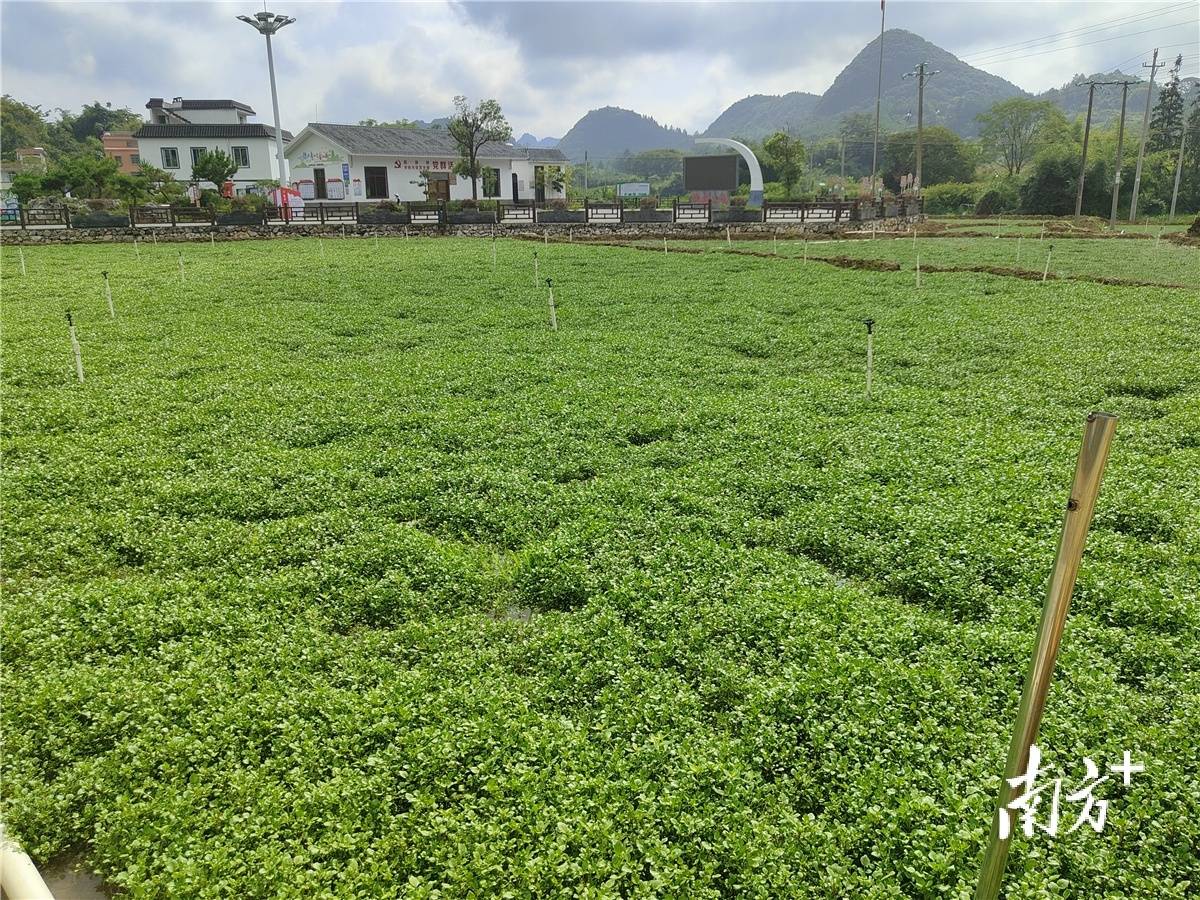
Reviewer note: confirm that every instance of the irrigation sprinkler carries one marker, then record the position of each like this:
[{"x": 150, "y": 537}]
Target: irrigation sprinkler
[
  {"x": 375, "y": 242},
  {"x": 1019, "y": 239},
  {"x": 546, "y": 236},
  {"x": 112, "y": 313},
  {"x": 1046, "y": 271},
  {"x": 1089, "y": 470},
  {"x": 22, "y": 255},
  {"x": 1042, "y": 236},
  {"x": 870, "y": 323},
  {"x": 553, "y": 314},
  {"x": 1158, "y": 239},
  {"x": 774, "y": 243},
  {"x": 137, "y": 251},
  {"x": 805, "y": 251},
  {"x": 75, "y": 347},
  {"x": 182, "y": 276},
  {"x": 873, "y": 229},
  {"x": 728, "y": 237},
  {"x": 918, "y": 270},
  {"x": 321, "y": 246},
  {"x": 493, "y": 252},
  {"x": 406, "y": 232},
  {"x": 343, "y": 231},
  {"x": 664, "y": 244},
  {"x": 535, "y": 268},
  {"x": 154, "y": 235},
  {"x": 212, "y": 239}
]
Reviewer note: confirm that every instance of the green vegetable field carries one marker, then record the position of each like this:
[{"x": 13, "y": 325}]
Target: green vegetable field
[{"x": 342, "y": 575}]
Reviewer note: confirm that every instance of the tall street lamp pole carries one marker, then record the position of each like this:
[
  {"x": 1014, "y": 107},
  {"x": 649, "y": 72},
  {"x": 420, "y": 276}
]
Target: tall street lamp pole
[{"x": 267, "y": 24}]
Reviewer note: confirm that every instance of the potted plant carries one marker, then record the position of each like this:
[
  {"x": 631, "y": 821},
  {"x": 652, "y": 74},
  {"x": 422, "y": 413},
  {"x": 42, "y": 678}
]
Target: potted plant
[
  {"x": 469, "y": 213},
  {"x": 246, "y": 209},
  {"x": 648, "y": 211},
  {"x": 737, "y": 212},
  {"x": 100, "y": 214},
  {"x": 556, "y": 212},
  {"x": 383, "y": 213}
]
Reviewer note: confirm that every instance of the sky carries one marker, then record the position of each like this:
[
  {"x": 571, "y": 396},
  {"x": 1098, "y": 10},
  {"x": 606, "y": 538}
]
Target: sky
[{"x": 547, "y": 63}]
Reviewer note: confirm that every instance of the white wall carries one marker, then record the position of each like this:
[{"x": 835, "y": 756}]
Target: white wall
[
  {"x": 202, "y": 116},
  {"x": 314, "y": 151},
  {"x": 263, "y": 164}
]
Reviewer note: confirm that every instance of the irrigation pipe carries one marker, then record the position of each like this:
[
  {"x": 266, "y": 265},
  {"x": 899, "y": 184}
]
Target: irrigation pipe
[{"x": 19, "y": 877}]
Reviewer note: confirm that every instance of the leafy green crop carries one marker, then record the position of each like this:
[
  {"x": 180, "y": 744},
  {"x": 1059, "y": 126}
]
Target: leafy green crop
[{"x": 342, "y": 576}]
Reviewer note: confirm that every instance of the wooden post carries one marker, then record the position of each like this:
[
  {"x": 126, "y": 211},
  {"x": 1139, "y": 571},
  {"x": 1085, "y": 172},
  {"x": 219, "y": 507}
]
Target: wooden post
[
  {"x": 870, "y": 323},
  {"x": 1046, "y": 271},
  {"x": 1089, "y": 470},
  {"x": 112, "y": 313},
  {"x": 553, "y": 313},
  {"x": 75, "y": 347}
]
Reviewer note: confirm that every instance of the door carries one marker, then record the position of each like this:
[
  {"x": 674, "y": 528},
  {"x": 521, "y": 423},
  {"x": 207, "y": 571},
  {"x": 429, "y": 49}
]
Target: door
[
  {"x": 438, "y": 186},
  {"x": 539, "y": 182},
  {"x": 516, "y": 196},
  {"x": 319, "y": 180},
  {"x": 377, "y": 182}
]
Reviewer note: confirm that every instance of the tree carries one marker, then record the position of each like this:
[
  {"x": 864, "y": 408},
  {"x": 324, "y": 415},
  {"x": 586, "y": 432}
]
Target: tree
[
  {"x": 471, "y": 128},
  {"x": 21, "y": 125},
  {"x": 857, "y": 130},
  {"x": 944, "y": 157},
  {"x": 83, "y": 176},
  {"x": 96, "y": 118},
  {"x": 1012, "y": 129},
  {"x": 215, "y": 166},
  {"x": 787, "y": 156},
  {"x": 556, "y": 178},
  {"x": 1167, "y": 119}
]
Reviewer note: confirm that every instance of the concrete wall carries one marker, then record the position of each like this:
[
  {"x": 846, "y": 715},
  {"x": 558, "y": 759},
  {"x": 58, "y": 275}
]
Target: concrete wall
[{"x": 263, "y": 164}]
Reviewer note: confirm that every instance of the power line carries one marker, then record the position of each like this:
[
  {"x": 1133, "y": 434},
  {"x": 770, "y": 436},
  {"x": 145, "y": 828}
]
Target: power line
[
  {"x": 1116, "y": 37},
  {"x": 1079, "y": 32}
]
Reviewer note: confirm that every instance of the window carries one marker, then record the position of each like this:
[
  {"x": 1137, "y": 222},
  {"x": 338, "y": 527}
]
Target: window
[
  {"x": 377, "y": 183},
  {"x": 491, "y": 182},
  {"x": 135, "y": 159},
  {"x": 241, "y": 156},
  {"x": 119, "y": 159},
  {"x": 197, "y": 152},
  {"x": 170, "y": 157}
]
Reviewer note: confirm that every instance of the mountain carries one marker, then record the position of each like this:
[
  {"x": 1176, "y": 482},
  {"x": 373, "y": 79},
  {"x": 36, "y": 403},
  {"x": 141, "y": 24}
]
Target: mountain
[
  {"x": 609, "y": 132},
  {"x": 761, "y": 115},
  {"x": 953, "y": 97},
  {"x": 528, "y": 140},
  {"x": 1072, "y": 97}
]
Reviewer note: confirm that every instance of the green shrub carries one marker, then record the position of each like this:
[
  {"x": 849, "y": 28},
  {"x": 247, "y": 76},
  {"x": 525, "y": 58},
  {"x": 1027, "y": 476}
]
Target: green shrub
[{"x": 952, "y": 198}]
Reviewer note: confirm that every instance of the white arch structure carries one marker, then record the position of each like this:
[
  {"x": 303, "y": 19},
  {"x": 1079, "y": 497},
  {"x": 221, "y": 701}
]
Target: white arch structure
[{"x": 756, "y": 182}]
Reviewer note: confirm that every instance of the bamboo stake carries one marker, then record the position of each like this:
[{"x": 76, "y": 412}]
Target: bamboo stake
[
  {"x": 406, "y": 232},
  {"x": 182, "y": 276},
  {"x": 137, "y": 251},
  {"x": 553, "y": 313},
  {"x": 535, "y": 268},
  {"x": 1019, "y": 238},
  {"x": 1159, "y": 238},
  {"x": 493, "y": 252},
  {"x": 664, "y": 244},
  {"x": 1046, "y": 271},
  {"x": 112, "y": 313},
  {"x": 1089, "y": 470},
  {"x": 22, "y": 253},
  {"x": 775, "y": 243},
  {"x": 546, "y": 236},
  {"x": 75, "y": 347},
  {"x": 728, "y": 237},
  {"x": 1042, "y": 237},
  {"x": 212, "y": 239},
  {"x": 870, "y": 323},
  {"x": 321, "y": 246},
  {"x": 343, "y": 231},
  {"x": 806, "y": 252},
  {"x": 918, "y": 271},
  {"x": 154, "y": 234}
]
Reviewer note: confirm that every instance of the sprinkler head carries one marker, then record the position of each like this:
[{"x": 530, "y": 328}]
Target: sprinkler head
[
  {"x": 105, "y": 274},
  {"x": 548, "y": 282},
  {"x": 870, "y": 323},
  {"x": 69, "y": 322}
]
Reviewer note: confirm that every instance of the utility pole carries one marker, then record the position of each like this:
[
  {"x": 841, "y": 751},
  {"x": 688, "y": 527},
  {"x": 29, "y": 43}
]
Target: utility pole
[
  {"x": 843, "y": 167},
  {"x": 1112, "y": 216},
  {"x": 878, "y": 94},
  {"x": 1179, "y": 165},
  {"x": 1087, "y": 130},
  {"x": 922, "y": 77},
  {"x": 1154, "y": 66}
]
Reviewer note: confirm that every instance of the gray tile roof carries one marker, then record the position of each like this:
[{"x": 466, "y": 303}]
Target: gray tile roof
[
  {"x": 390, "y": 140},
  {"x": 157, "y": 102},
  {"x": 209, "y": 131}
]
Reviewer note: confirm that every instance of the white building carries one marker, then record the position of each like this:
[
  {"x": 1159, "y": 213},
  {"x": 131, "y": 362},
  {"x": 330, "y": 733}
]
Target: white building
[
  {"x": 179, "y": 131},
  {"x": 383, "y": 162}
]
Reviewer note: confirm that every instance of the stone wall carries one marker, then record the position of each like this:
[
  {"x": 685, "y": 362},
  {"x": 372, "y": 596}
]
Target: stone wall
[{"x": 626, "y": 231}]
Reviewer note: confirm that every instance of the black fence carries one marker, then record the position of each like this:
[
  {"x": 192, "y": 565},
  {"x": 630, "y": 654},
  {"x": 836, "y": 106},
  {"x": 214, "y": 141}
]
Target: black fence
[{"x": 438, "y": 213}]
